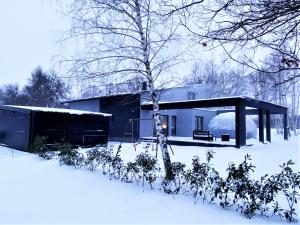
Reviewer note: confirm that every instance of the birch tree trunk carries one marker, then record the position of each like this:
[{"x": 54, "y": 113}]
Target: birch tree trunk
[{"x": 156, "y": 113}]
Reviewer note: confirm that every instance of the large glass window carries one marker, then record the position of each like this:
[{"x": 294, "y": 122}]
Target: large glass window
[
  {"x": 198, "y": 122},
  {"x": 173, "y": 126},
  {"x": 164, "y": 123},
  {"x": 191, "y": 95}
]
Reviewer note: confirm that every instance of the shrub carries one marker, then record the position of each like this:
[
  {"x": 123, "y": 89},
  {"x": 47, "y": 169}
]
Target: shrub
[
  {"x": 104, "y": 156},
  {"x": 147, "y": 167},
  {"x": 39, "y": 144},
  {"x": 40, "y": 147},
  {"x": 131, "y": 172},
  {"x": 93, "y": 159},
  {"x": 202, "y": 178},
  {"x": 69, "y": 156},
  {"x": 174, "y": 186},
  {"x": 289, "y": 183}
]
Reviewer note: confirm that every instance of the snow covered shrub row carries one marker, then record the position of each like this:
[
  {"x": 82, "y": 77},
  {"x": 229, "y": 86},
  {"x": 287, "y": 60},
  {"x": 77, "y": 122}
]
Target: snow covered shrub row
[
  {"x": 236, "y": 190},
  {"x": 143, "y": 169}
]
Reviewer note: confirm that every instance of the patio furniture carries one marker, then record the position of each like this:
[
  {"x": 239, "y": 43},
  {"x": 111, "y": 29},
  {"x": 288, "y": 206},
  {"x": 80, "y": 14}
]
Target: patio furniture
[
  {"x": 225, "y": 137},
  {"x": 203, "y": 135}
]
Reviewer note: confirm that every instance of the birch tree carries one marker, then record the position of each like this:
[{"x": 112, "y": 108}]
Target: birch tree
[{"x": 124, "y": 38}]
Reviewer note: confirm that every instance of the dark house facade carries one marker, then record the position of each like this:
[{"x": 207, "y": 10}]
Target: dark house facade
[
  {"x": 123, "y": 107},
  {"x": 19, "y": 125}
]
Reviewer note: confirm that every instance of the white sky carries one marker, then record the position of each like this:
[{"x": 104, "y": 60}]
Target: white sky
[{"x": 30, "y": 30}]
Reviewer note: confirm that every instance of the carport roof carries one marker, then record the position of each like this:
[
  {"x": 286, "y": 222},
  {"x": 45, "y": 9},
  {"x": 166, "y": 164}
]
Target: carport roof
[{"x": 219, "y": 102}]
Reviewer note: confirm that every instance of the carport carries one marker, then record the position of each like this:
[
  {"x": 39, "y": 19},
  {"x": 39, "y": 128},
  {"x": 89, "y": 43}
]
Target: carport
[{"x": 242, "y": 106}]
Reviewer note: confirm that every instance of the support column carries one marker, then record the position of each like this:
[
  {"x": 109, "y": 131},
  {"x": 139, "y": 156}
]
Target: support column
[
  {"x": 285, "y": 126},
  {"x": 268, "y": 126},
  {"x": 261, "y": 125},
  {"x": 240, "y": 125}
]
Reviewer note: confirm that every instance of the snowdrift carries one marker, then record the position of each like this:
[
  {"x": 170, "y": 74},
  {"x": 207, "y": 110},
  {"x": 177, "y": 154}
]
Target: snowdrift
[{"x": 225, "y": 124}]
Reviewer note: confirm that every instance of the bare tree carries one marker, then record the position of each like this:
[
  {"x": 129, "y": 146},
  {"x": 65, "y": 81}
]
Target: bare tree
[
  {"x": 279, "y": 87},
  {"x": 132, "y": 85},
  {"x": 221, "y": 82},
  {"x": 246, "y": 26},
  {"x": 125, "y": 39}
]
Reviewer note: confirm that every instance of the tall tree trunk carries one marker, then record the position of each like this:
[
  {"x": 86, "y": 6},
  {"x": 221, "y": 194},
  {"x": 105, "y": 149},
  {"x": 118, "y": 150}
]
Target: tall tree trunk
[{"x": 157, "y": 120}]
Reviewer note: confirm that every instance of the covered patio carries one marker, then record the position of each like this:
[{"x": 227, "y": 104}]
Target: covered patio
[{"x": 242, "y": 106}]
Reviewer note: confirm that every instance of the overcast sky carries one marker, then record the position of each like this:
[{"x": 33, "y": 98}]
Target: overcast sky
[{"x": 30, "y": 30}]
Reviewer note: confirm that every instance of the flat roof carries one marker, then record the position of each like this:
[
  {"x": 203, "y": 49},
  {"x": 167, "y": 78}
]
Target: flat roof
[
  {"x": 46, "y": 109},
  {"x": 130, "y": 93},
  {"x": 218, "y": 102},
  {"x": 99, "y": 97}
]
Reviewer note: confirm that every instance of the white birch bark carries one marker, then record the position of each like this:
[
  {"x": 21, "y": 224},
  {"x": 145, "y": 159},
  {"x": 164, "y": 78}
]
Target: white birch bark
[{"x": 156, "y": 113}]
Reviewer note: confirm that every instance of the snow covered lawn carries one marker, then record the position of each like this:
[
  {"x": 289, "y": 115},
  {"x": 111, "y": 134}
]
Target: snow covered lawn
[{"x": 33, "y": 190}]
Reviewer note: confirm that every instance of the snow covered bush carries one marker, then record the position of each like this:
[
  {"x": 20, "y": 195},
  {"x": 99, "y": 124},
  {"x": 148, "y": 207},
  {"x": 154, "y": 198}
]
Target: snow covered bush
[
  {"x": 225, "y": 124},
  {"x": 39, "y": 144},
  {"x": 202, "y": 178},
  {"x": 40, "y": 147},
  {"x": 289, "y": 184},
  {"x": 92, "y": 159},
  {"x": 131, "y": 172},
  {"x": 175, "y": 186},
  {"x": 68, "y": 156},
  {"x": 147, "y": 166}
]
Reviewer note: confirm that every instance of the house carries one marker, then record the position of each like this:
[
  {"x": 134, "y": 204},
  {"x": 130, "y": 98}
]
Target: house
[
  {"x": 19, "y": 125},
  {"x": 129, "y": 121}
]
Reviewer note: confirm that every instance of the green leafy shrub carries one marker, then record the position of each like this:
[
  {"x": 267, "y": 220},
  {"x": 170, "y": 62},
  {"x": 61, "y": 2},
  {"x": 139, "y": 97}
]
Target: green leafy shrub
[
  {"x": 39, "y": 144},
  {"x": 131, "y": 172},
  {"x": 202, "y": 178},
  {"x": 93, "y": 159},
  {"x": 147, "y": 167},
  {"x": 69, "y": 156},
  {"x": 40, "y": 147},
  {"x": 289, "y": 184},
  {"x": 174, "y": 186}
]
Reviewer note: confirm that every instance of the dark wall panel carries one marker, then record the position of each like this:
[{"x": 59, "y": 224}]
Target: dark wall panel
[
  {"x": 84, "y": 130},
  {"x": 122, "y": 108},
  {"x": 14, "y": 129}
]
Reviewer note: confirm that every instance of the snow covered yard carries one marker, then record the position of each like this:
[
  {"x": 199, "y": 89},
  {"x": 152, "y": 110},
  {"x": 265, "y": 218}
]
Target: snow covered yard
[{"x": 34, "y": 190}]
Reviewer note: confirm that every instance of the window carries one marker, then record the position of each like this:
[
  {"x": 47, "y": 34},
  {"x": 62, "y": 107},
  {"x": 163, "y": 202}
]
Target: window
[
  {"x": 191, "y": 95},
  {"x": 198, "y": 122},
  {"x": 173, "y": 125},
  {"x": 164, "y": 123}
]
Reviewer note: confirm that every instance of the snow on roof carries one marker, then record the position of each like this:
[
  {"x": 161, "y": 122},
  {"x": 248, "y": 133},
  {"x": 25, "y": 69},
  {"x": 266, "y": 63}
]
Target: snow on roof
[{"x": 58, "y": 110}]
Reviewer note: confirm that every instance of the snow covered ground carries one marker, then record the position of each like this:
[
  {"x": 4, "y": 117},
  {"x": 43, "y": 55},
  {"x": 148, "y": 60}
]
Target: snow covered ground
[{"x": 33, "y": 190}]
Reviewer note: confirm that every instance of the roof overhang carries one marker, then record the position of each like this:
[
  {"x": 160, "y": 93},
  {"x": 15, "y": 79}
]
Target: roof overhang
[{"x": 219, "y": 102}]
